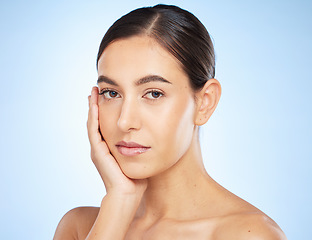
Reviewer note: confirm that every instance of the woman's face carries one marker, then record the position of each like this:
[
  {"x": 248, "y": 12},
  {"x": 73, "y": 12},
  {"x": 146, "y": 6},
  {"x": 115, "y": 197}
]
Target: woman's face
[{"x": 146, "y": 106}]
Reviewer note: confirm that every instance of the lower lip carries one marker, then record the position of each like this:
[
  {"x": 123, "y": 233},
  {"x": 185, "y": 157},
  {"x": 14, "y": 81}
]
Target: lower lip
[{"x": 132, "y": 151}]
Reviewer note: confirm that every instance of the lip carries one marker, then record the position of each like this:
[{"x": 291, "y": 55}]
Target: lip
[{"x": 131, "y": 148}]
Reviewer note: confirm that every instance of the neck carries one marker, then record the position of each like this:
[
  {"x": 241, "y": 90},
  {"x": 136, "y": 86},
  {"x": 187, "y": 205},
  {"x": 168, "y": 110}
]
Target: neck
[{"x": 183, "y": 186}]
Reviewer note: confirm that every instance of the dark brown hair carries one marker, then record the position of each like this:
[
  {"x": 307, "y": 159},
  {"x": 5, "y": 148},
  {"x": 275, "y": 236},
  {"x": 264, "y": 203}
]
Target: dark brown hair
[{"x": 175, "y": 29}]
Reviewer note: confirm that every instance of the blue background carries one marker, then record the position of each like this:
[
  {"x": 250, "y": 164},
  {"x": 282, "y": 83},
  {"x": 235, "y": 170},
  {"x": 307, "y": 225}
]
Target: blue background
[{"x": 257, "y": 144}]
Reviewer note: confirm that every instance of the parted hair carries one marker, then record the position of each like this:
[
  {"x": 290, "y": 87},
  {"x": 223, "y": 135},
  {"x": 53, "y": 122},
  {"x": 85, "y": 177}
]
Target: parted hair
[{"x": 176, "y": 30}]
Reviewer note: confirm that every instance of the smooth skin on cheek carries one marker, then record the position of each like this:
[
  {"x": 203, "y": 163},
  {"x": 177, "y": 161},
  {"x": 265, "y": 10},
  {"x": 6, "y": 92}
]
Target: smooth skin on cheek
[{"x": 165, "y": 123}]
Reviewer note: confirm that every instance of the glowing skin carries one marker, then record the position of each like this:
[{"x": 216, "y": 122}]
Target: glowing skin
[
  {"x": 148, "y": 116},
  {"x": 150, "y": 103}
]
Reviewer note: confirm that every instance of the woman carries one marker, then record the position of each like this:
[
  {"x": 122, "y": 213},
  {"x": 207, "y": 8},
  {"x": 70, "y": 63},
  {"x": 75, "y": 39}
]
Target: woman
[{"x": 156, "y": 87}]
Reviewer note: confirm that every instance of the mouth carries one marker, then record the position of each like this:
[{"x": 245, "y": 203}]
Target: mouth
[{"x": 131, "y": 148}]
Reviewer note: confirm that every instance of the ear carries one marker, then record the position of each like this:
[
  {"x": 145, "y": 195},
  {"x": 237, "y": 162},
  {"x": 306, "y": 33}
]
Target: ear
[{"x": 207, "y": 100}]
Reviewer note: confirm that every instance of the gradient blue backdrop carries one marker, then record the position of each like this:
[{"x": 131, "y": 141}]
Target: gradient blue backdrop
[{"x": 257, "y": 144}]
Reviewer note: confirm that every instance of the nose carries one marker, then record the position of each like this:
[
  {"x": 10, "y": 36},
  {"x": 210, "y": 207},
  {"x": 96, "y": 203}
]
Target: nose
[{"x": 129, "y": 118}]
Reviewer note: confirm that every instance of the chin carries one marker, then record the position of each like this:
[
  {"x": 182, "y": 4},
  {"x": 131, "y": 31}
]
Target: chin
[
  {"x": 136, "y": 171},
  {"x": 136, "y": 174}
]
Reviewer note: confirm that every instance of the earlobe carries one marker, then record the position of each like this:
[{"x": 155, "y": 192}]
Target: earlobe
[{"x": 207, "y": 101}]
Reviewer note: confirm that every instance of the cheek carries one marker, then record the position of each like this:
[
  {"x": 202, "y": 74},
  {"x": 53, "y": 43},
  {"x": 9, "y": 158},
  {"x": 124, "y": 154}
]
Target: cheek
[
  {"x": 107, "y": 123},
  {"x": 175, "y": 128},
  {"x": 184, "y": 129}
]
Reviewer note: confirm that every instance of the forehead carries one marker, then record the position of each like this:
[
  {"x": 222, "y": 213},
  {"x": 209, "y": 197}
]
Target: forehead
[{"x": 137, "y": 57}]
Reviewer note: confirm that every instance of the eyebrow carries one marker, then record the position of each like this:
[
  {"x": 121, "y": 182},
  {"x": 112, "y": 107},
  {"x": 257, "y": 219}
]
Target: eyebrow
[
  {"x": 106, "y": 80},
  {"x": 143, "y": 80},
  {"x": 151, "y": 78}
]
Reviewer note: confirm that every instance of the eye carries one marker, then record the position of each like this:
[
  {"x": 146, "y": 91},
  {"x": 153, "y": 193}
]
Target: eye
[
  {"x": 154, "y": 94},
  {"x": 109, "y": 94}
]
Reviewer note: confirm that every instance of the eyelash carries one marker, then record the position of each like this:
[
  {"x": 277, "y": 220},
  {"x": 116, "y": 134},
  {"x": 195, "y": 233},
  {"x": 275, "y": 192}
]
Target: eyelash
[
  {"x": 107, "y": 90},
  {"x": 154, "y": 91}
]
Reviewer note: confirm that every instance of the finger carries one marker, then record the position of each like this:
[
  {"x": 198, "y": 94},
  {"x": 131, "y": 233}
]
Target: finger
[
  {"x": 93, "y": 119},
  {"x": 94, "y": 95}
]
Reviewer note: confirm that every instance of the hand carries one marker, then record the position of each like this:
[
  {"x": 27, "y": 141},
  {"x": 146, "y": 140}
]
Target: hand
[{"x": 114, "y": 179}]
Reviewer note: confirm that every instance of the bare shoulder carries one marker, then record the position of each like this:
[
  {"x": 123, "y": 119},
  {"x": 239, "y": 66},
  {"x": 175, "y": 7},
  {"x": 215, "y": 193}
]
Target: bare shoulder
[
  {"x": 251, "y": 226},
  {"x": 76, "y": 223}
]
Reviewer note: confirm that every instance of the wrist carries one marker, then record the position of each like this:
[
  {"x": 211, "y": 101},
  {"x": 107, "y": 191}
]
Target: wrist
[
  {"x": 131, "y": 191},
  {"x": 116, "y": 212},
  {"x": 123, "y": 198}
]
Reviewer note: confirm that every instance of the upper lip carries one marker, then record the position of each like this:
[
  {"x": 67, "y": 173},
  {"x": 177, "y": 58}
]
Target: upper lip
[{"x": 130, "y": 145}]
